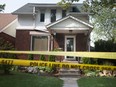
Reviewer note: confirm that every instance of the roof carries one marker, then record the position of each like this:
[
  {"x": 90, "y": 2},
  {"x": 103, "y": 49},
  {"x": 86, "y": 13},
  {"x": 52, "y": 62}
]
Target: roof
[
  {"x": 28, "y": 8},
  {"x": 72, "y": 17},
  {"x": 6, "y": 19}
]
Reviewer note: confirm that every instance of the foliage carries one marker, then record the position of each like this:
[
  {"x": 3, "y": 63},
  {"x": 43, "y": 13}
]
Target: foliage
[
  {"x": 2, "y": 7},
  {"x": 65, "y": 4},
  {"x": 52, "y": 58},
  {"x": 5, "y": 45},
  {"x": 89, "y": 61},
  {"x": 42, "y": 57},
  {"x": 104, "y": 18},
  {"x": 30, "y": 56},
  {"x": 105, "y": 46},
  {"x": 92, "y": 73}
]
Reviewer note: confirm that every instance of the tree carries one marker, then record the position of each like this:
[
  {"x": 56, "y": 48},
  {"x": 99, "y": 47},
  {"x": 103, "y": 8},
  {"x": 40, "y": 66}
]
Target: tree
[
  {"x": 65, "y": 4},
  {"x": 103, "y": 16},
  {"x": 2, "y": 7}
]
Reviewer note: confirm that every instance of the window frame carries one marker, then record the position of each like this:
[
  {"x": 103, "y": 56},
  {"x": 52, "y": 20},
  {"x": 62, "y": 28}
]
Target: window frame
[
  {"x": 36, "y": 36},
  {"x": 42, "y": 17}
]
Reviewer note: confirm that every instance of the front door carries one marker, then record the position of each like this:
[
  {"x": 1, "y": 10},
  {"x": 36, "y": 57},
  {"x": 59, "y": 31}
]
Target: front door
[{"x": 70, "y": 46}]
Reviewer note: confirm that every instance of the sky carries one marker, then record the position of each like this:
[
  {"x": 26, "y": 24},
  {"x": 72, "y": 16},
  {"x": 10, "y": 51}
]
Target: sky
[{"x": 12, "y": 5}]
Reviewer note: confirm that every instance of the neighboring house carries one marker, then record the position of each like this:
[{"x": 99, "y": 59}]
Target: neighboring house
[
  {"x": 8, "y": 24},
  {"x": 46, "y": 27}
]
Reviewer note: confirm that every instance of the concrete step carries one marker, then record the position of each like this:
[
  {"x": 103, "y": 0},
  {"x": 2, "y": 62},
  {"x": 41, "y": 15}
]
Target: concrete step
[
  {"x": 69, "y": 71},
  {"x": 75, "y": 73}
]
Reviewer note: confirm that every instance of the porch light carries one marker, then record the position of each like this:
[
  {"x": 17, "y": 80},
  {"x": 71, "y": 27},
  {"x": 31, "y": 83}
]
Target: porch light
[{"x": 54, "y": 33}]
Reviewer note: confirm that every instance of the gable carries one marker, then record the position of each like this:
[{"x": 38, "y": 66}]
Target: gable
[{"x": 69, "y": 23}]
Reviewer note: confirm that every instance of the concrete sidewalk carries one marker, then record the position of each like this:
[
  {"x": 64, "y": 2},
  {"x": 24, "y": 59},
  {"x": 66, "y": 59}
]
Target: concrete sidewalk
[{"x": 70, "y": 82}]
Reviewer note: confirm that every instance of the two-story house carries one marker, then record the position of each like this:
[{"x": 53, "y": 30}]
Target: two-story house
[{"x": 45, "y": 27}]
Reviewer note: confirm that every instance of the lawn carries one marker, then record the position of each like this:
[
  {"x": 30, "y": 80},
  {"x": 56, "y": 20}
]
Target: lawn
[
  {"x": 97, "y": 82},
  {"x": 28, "y": 80}
]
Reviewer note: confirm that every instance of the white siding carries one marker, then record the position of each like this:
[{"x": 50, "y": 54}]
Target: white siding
[{"x": 25, "y": 21}]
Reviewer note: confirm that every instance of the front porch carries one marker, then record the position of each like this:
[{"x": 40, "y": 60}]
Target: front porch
[{"x": 70, "y": 34}]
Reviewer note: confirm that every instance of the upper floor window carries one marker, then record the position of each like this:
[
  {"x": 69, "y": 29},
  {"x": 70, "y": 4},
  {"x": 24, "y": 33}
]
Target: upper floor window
[
  {"x": 53, "y": 15},
  {"x": 75, "y": 9},
  {"x": 63, "y": 13},
  {"x": 42, "y": 16}
]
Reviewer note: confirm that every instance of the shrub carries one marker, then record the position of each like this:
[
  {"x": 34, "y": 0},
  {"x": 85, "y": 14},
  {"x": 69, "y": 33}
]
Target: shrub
[
  {"x": 89, "y": 61},
  {"x": 5, "y": 45},
  {"x": 42, "y": 57},
  {"x": 30, "y": 57},
  {"x": 51, "y": 58},
  {"x": 105, "y": 46}
]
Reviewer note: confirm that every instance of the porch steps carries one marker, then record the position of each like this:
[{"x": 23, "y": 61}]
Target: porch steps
[{"x": 73, "y": 73}]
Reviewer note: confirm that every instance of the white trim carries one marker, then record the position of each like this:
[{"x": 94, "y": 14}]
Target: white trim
[
  {"x": 24, "y": 28},
  {"x": 48, "y": 43},
  {"x": 74, "y": 37},
  {"x": 51, "y": 42},
  {"x": 8, "y": 25},
  {"x": 39, "y": 33},
  {"x": 60, "y": 20},
  {"x": 70, "y": 28}
]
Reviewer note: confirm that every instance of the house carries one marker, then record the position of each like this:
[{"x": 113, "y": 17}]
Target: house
[
  {"x": 8, "y": 23},
  {"x": 46, "y": 27}
]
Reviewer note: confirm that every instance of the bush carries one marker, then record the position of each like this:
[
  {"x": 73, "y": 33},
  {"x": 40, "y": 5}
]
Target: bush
[
  {"x": 51, "y": 58},
  {"x": 105, "y": 46},
  {"x": 5, "y": 45},
  {"x": 89, "y": 61},
  {"x": 30, "y": 57},
  {"x": 42, "y": 57}
]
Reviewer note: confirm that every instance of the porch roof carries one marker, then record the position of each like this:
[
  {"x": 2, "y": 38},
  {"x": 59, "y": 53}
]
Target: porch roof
[{"x": 70, "y": 23}]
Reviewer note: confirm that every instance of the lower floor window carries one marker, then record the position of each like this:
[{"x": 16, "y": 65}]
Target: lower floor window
[{"x": 40, "y": 43}]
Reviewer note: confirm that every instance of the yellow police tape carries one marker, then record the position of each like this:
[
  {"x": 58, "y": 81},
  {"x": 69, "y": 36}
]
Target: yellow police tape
[
  {"x": 54, "y": 64},
  {"x": 105, "y": 55}
]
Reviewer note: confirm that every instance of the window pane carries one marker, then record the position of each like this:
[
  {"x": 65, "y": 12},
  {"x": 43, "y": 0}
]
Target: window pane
[
  {"x": 42, "y": 17},
  {"x": 53, "y": 15},
  {"x": 63, "y": 13},
  {"x": 40, "y": 43}
]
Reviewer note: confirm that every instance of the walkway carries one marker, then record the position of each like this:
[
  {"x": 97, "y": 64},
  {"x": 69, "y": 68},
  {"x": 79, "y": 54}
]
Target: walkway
[{"x": 70, "y": 82}]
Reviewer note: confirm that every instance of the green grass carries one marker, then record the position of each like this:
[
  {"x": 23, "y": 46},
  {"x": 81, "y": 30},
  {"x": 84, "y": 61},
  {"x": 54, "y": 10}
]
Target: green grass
[
  {"x": 97, "y": 82},
  {"x": 29, "y": 80}
]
